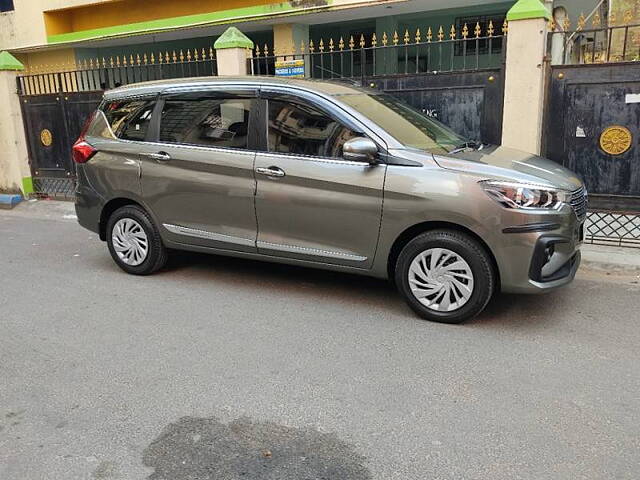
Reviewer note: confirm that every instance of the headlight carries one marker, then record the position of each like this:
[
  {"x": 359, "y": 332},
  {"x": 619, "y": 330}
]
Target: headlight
[{"x": 521, "y": 195}]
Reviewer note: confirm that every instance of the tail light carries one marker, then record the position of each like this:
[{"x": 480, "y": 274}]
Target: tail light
[{"x": 82, "y": 151}]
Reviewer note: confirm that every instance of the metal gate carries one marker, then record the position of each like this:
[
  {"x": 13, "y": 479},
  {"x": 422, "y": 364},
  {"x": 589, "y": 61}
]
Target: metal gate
[
  {"x": 52, "y": 123},
  {"x": 593, "y": 128}
]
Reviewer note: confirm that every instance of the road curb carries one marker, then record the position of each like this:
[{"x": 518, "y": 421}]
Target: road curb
[
  {"x": 604, "y": 258},
  {"x": 8, "y": 201}
]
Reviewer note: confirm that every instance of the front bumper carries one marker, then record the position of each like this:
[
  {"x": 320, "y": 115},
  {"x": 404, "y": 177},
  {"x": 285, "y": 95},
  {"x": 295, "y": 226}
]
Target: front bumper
[{"x": 543, "y": 258}]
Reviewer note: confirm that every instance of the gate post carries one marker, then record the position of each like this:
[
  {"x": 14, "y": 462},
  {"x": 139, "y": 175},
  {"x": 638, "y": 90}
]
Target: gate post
[
  {"x": 15, "y": 174},
  {"x": 525, "y": 76},
  {"x": 231, "y": 52}
]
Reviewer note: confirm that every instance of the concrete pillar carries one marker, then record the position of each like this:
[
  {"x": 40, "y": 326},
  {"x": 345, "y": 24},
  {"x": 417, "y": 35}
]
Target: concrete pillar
[
  {"x": 15, "y": 174},
  {"x": 525, "y": 76},
  {"x": 233, "y": 48}
]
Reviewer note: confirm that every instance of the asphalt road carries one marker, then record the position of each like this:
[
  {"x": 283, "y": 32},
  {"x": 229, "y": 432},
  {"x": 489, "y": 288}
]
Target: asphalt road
[{"x": 227, "y": 369}]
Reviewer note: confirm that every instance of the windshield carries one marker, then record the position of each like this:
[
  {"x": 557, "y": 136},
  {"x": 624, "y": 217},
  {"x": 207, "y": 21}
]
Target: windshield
[{"x": 405, "y": 124}]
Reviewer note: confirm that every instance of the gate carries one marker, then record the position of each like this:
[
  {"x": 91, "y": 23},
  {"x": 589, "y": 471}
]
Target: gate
[
  {"x": 55, "y": 106},
  {"x": 592, "y": 120},
  {"x": 454, "y": 74},
  {"x": 593, "y": 128},
  {"x": 52, "y": 123}
]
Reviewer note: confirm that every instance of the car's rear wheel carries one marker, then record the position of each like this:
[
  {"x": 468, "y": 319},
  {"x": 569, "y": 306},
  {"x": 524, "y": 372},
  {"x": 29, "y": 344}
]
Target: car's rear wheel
[
  {"x": 134, "y": 241},
  {"x": 445, "y": 276}
]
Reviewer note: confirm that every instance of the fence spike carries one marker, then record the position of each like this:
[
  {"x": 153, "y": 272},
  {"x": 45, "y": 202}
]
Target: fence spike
[
  {"x": 137, "y": 59},
  {"x": 104, "y": 62},
  {"x": 331, "y": 44},
  {"x": 153, "y": 59},
  {"x": 111, "y": 62},
  {"x": 362, "y": 41},
  {"x": 257, "y": 50},
  {"x": 477, "y": 31},
  {"x": 452, "y": 32},
  {"x": 505, "y": 27},
  {"x": 490, "y": 29},
  {"x": 145, "y": 59},
  {"x": 196, "y": 54},
  {"x": 581, "y": 22},
  {"x": 312, "y": 47},
  {"x": 395, "y": 37},
  {"x": 374, "y": 40},
  {"x": 266, "y": 50},
  {"x": 628, "y": 16},
  {"x": 566, "y": 23},
  {"x": 465, "y": 31},
  {"x": 429, "y": 34},
  {"x": 302, "y": 47},
  {"x": 406, "y": 37},
  {"x": 181, "y": 57},
  {"x": 418, "y": 38},
  {"x": 351, "y": 43},
  {"x": 321, "y": 45},
  {"x": 596, "y": 19},
  {"x": 384, "y": 39},
  {"x": 204, "y": 54},
  {"x": 90, "y": 63},
  {"x": 212, "y": 55},
  {"x": 188, "y": 54},
  {"x": 131, "y": 57},
  {"x": 440, "y": 34},
  {"x": 551, "y": 24}
]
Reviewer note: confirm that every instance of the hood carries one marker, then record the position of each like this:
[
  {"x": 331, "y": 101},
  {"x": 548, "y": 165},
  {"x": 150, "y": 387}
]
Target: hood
[{"x": 502, "y": 163}]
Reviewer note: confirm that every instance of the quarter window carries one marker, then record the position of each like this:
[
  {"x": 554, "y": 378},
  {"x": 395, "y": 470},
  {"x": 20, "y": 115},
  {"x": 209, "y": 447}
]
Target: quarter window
[
  {"x": 129, "y": 119},
  {"x": 211, "y": 122},
  {"x": 300, "y": 129}
]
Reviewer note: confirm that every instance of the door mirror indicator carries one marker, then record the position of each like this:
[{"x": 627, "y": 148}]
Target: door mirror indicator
[{"x": 360, "y": 149}]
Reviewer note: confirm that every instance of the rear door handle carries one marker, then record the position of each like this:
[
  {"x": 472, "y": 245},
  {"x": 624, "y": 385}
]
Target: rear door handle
[
  {"x": 271, "y": 172},
  {"x": 159, "y": 157}
]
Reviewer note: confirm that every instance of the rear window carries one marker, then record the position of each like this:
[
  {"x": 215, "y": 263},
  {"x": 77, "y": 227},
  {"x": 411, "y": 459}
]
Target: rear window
[{"x": 129, "y": 119}]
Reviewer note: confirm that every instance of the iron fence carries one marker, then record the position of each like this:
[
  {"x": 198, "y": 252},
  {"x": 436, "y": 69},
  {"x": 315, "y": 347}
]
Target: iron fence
[
  {"x": 413, "y": 53},
  {"x": 613, "y": 228},
  {"x": 104, "y": 74},
  {"x": 597, "y": 42}
]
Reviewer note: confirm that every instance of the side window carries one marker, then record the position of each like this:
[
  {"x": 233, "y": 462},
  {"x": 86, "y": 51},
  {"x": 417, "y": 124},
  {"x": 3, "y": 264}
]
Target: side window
[
  {"x": 129, "y": 119},
  {"x": 304, "y": 130},
  {"x": 210, "y": 122}
]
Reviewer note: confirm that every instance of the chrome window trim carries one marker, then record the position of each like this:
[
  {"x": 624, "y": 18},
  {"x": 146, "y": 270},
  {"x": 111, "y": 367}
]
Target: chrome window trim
[
  {"x": 314, "y": 159},
  {"x": 309, "y": 251},
  {"x": 203, "y": 234}
]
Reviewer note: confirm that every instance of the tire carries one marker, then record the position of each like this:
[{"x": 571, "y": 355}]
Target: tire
[
  {"x": 462, "y": 266},
  {"x": 127, "y": 244}
]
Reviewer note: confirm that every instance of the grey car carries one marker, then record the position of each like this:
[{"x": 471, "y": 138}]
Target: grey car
[{"x": 324, "y": 175}]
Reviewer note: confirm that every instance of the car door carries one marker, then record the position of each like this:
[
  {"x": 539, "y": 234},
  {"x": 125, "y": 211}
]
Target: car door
[
  {"x": 311, "y": 204},
  {"x": 197, "y": 174}
]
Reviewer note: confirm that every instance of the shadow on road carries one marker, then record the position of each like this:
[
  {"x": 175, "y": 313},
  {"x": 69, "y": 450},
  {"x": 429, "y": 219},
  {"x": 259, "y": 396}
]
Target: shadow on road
[{"x": 506, "y": 310}]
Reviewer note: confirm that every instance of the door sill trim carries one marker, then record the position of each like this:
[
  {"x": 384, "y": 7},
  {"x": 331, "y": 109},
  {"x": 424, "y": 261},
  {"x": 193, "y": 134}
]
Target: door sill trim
[
  {"x": 219, "y": 237},
  {"x": 309, "y": 251}
]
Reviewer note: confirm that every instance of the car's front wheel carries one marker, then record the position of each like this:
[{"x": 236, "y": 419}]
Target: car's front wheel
[
  {"x": 134, "y": 241},
  {"x": 445, "y": 276}
]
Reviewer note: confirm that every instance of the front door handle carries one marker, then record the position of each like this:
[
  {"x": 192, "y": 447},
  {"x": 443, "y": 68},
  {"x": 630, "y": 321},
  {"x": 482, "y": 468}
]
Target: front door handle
[
  {"x": 159, "y": 157},
  {"x": 271, "y": 172}
]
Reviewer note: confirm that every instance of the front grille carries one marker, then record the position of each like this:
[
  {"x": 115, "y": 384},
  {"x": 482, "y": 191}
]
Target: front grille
[{"x": 579, "y": 203}]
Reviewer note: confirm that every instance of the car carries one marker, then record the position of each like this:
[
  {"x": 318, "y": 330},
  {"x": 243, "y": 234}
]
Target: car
[{"x": 326, "y": 175}]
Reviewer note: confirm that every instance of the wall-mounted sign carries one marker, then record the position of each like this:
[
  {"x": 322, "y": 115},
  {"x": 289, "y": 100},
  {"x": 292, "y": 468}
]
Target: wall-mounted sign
[
  {"x": 616, "y": 140},
  {"x": 290, "y": 68},
  {"x": 632, "y": 98},
  {"x": 46, "y": 137}
]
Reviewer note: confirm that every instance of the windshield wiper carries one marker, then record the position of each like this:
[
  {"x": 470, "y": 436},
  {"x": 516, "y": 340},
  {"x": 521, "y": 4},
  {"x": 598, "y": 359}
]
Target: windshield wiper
[{"x": 473, "y": 144}]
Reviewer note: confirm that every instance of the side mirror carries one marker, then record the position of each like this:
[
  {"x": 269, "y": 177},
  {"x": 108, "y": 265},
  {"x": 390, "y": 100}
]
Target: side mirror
[{"x": 360, "y": 149}]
